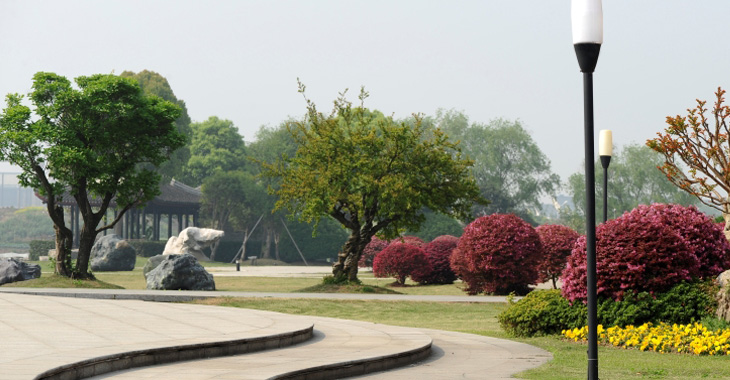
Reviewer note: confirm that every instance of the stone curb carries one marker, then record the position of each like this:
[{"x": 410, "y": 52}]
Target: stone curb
[
  {"x": 163, "y": 355},
  {"x": 359, "y": 367}
]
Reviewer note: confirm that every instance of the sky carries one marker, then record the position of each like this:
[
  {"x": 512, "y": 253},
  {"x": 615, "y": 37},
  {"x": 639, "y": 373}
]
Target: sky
[{"x": 240, "y": 60}]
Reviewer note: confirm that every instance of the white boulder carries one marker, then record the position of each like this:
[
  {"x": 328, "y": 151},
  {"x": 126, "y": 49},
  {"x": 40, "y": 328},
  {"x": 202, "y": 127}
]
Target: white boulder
[{"x": 192, "y": 241}]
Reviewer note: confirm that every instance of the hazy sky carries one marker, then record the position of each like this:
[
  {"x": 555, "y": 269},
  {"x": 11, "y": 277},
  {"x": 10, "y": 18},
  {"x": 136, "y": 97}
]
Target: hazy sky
[{"x": 240, "y": 60}]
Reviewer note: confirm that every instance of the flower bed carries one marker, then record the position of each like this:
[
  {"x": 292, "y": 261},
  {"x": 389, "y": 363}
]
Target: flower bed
[{"x": 663, "y": 337}]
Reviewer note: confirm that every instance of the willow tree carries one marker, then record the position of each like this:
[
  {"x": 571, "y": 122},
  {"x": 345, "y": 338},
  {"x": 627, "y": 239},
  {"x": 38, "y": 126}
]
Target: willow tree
[
  {"x": 696, "y": 152},
  {"x": 370, "y": 174},
  {"x": 93, "y": 143}
]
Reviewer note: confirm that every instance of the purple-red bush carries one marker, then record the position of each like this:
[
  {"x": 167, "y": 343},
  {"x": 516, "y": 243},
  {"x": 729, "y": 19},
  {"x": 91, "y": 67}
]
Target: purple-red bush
[
  {"x": 439, "y": 252},
  {"x": 412, "y": 240},
  {"x": 557, "y": 243},
  {"x": 704, "y": 238},
  {"x": 650, "y": 248},
  {"x": 401, "y": 260},
  {"x": 497, "y": 253},
  {"x": 371, "y": 250}
]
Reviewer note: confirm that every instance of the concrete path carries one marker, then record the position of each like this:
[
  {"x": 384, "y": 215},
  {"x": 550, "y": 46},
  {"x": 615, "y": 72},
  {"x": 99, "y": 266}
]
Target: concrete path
[
  {"x": 189, "y": 295},
  {"x": 40, "y": 334}
]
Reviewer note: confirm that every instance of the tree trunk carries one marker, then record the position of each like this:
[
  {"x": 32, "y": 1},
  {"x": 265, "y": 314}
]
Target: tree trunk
[
  {"x": 64, "y": 243},
  {"x": 726, "y": 216},
  {"x": 277, "y": 239},
  {"x": 345, "y": 269},
  {"x": 86, "y": 242},
  {"x": 266, "y": 247},
  {"x": 214, "y": 250}
]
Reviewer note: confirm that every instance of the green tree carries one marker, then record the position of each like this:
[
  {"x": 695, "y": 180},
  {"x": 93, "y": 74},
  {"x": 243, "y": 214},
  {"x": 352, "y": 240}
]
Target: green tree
[
  {"x": 231, "y": 198},
  {"x": 371, "y": 174},
  {"x": 510, "y": 169},
  {"x": 92, "y": 143},
  {"x": 215, "y": 145},
  {"x": 273, "y": 144},
  {"x": 633, "y": 179},
  {"x": 153, "y": 83},
  {"x": 436, "y": 225}
]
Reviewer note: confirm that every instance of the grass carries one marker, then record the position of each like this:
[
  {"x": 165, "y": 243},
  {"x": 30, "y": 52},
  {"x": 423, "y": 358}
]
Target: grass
[
  {"x": 349, "y": 288},
  {"x": 55, "y": 281}
]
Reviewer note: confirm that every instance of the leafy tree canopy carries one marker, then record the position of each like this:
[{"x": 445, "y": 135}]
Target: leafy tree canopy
[
  {"x": 216, "y": 145},
  {"x": 510, "y": 169},
  {"x": 371, "y": 174},
  {"x": 230, "y": 199},
  {"x": 94, "y": 142},
  {"x": 633, "y": 179},
  {"x": 153, "y": 83}
]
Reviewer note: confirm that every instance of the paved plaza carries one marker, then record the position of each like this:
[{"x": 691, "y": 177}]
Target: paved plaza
[{"x": 138, "y": 334}]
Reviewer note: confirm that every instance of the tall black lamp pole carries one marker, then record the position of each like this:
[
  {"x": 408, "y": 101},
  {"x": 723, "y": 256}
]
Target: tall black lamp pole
[
  {"x": 605, "y": 151},
  {"x": 587, "y": 22}
]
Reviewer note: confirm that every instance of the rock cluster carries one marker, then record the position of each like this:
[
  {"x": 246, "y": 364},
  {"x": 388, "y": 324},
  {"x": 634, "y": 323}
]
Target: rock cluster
[{"x": 14, "y": 270}]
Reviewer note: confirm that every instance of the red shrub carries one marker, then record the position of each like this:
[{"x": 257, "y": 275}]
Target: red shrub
[
  {"x": 412, "y": 240},
  {"x": 499, "y": 254},
  {"x": 401, "y": 260},
  {"x": 638, "y": 251},
  {"x": 557, "y": 243},
  {"x": 439, "y": 252},
  {"x": 704, "y": 238},
  {"x": 371, "y": 250}
]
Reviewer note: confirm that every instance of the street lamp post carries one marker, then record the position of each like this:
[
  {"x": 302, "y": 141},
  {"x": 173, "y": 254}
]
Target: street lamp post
[
  {"x": 605, "y": 151},
  {"x": 587, "y": 23}
]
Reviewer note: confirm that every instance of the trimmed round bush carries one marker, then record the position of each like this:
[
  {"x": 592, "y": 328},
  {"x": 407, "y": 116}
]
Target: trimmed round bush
[
  {"x": 557, "y": 243},
  {"x": 371, "y": 250},
  {"x": 401, "y": 260},
  {"x": 439, "y": 252},
  {"x": 497, "y": 254},
  {"x": 639, "y": 251}
]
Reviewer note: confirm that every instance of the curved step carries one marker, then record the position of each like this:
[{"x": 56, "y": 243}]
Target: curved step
[
  {"x": 339, "y": 349},
  {"x": 70, "y": 338},
  {"x": 171, "y": 354}
]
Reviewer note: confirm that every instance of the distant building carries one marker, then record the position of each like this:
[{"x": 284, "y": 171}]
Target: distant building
[
  {"x": 177, "y": 207},
  {"x": 15, "y": 196}
]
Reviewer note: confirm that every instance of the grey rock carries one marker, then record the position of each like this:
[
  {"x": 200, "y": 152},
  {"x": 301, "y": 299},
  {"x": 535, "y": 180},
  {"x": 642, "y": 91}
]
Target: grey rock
[
  {"x": 152, "y": 263},
  {"x": 180, "y": 272},
  {"x": 14, "y": 270},
  {"x": 723, "y": 296},
  {"x": 111, "y": 253}
]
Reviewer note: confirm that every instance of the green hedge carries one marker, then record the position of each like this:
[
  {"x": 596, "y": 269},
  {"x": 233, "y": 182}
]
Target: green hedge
[
  {"x": 544, "y": 312},
  {"x": 39, "y": 248}
]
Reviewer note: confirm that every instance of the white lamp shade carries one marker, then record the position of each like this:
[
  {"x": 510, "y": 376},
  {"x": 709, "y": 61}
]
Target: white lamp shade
[
  {"x": 587, "y": 20},
  {"x": 605, "y": 143}
]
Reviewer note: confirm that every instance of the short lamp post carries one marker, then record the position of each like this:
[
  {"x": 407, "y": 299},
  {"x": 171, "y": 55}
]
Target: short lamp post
[
  {"x": 587, "y": 23},
  {"x": 605, "y": 151}
]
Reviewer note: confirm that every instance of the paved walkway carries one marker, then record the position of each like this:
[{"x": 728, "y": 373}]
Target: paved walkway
[{"x": 40, "y": 333}]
